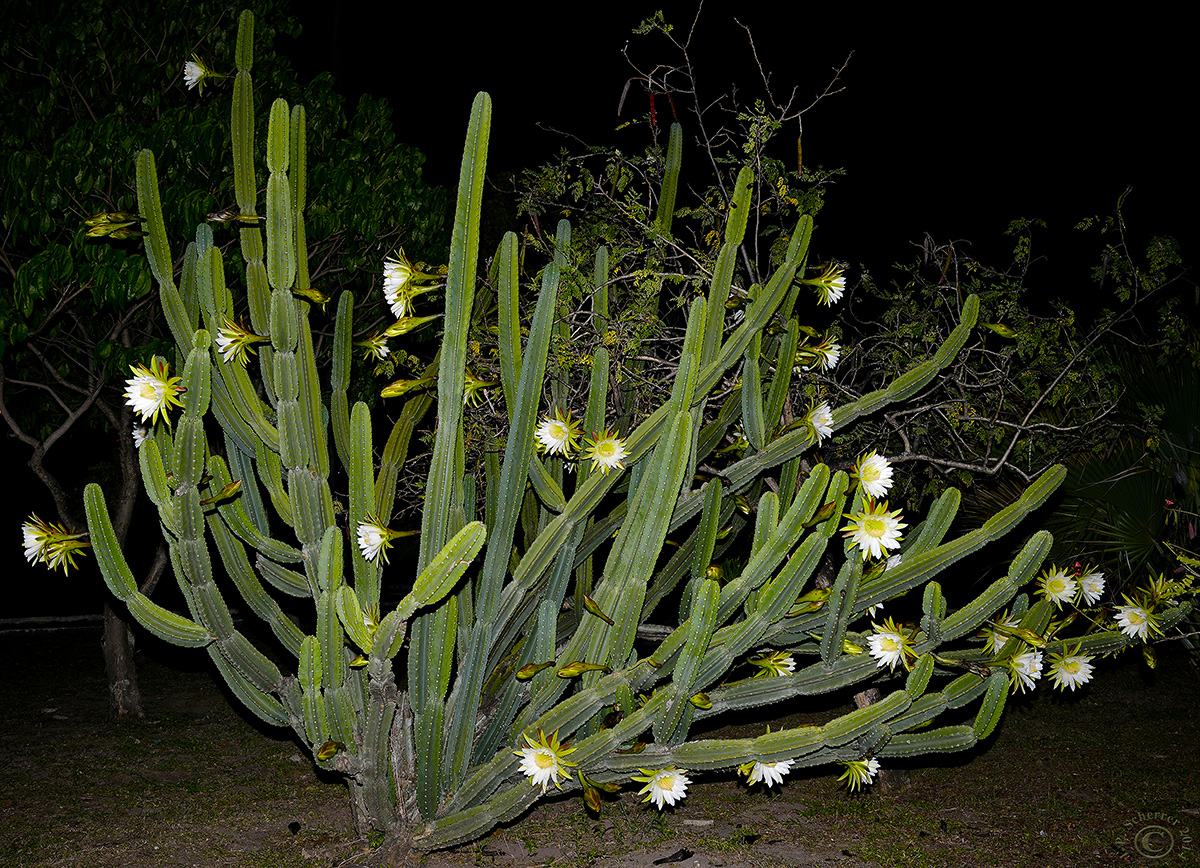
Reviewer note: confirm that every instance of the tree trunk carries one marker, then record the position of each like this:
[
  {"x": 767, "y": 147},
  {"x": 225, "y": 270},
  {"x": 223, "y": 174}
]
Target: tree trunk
[
  {"x": 124, "y": 696},
  {"x": 887, "y": 780}
]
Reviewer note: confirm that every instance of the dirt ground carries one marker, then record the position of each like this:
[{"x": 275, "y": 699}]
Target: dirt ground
[{"x": 1107, "y": 776}]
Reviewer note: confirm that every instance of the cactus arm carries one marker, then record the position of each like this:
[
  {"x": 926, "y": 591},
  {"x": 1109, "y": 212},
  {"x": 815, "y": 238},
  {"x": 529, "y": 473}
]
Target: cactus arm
[
  {"x": 233, "y": 557},
  {"x": 840, "y": 605},
  {"x": 362, "y": 503},
  {"x": 242, "y": 119},
  {"x": 784, "y": 360},
  {"x": 433, "y": 634},
  {"x": 513, "y": 473},
  {"x": 718, "y": 295},
  {"x": 670, "y": 185},
  {"x": 158, "y": 250},
  {"x": 436, "y": 528},
  {"x": 509, "y": 325},
  {"x": 395, "y": 452},
  {"x": 339, "y": 379},
  {"x": 752, "y": 402},
  {"x": 161, "y": 622},
  {"x": 290, "y": 582},
  {"x": 671, "y": 726}
]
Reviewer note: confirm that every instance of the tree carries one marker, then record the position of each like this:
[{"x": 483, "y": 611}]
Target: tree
[{"x": 86, "y": 86}]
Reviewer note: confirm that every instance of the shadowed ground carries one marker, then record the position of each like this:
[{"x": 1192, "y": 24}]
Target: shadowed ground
[{"x": 1074, "y": 780}]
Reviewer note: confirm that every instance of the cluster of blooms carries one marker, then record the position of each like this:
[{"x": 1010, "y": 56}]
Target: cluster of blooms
[
  {"x": 559, "y": 435},
  {"x": 400, "y": 292},
  {"x": 51, "y": 544},
  {"x": 1059, "y": 587}
]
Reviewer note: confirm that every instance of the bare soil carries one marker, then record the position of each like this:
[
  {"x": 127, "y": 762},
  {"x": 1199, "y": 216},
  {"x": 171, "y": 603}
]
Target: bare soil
[{"x": 1109, "y": 775}]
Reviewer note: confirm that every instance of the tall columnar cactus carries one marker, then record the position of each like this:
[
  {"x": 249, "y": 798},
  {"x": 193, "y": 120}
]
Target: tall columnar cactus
[{"x": 548, "y": 638}]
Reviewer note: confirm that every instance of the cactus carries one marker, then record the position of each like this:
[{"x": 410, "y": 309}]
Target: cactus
[{"x": 549, "y": 631}]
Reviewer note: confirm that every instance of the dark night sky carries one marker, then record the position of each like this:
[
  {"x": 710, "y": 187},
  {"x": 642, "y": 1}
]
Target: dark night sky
[
  {"x": 946, "y": 127},
  {"x": 950, "y": 130}
]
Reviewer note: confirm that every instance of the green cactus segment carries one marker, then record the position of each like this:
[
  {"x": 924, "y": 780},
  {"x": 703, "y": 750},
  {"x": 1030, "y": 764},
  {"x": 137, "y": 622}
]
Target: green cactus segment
[
  {"x": 117, "y": 575},
  {"x": 913, "y": 571},
  {"x": 947, "y": 739},
  {"x": 918, "y": 676},
  {"x": 433, "y": 634},
  {"x": 509, "y": 324},
  {"x": 623, "y": 589},
  {"x": 444, "y": 571},
  {"x": 158, "y": 251},
  {"x": 339, "y": 378},
  {"x": 298, "y": 167},
  {"x": 785, "y": 535},
  {"x": 785, "y": 357},
  {"x": 242, "y": 138},
  {"x": 514, "y": 471},
  {"x": 244, "y": 51},
  {"x": 362, "y": 502},
  {"x": 752, "y": 403},
  {"x": 841, "y": 604},
  {"x": 233, "y": 557},
  {"x": 739, "y": 208},
  {"x": 281, "y": 253},
  {"x": 718, "y": 295},
  {"x": 670, "y": 185},
  {"x": 437, "y": 519},
  {"x": 671, "y": 727},
  {"x": 1023, "y": 568},
  {"x": 154, "y": 476},
  {"x": 709, "y": 525},
  {"x": 993, "y": 705}
]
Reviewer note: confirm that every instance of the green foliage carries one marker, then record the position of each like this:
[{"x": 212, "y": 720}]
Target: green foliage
[{"x": 86, "y": 87}]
